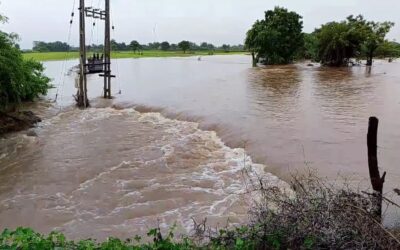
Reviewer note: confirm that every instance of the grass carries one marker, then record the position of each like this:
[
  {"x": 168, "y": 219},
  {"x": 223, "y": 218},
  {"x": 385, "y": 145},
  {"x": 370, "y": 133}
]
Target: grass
[{"x": 57, "y": 56}]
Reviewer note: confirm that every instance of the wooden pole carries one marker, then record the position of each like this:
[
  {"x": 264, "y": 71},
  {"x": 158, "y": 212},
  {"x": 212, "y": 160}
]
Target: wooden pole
[
  {"x": 107, "y": 52},
  {"x": 82, "y": 91},
  {"x": 376, "y": 180}
]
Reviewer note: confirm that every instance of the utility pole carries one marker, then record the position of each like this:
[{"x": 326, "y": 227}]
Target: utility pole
[
  {"x": 82, "y": 90},
  {"x": 107, "y": 52},
  {"x": 92, "y": 65}
]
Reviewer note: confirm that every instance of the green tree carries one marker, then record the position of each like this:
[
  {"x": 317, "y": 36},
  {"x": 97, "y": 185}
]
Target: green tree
[
  {"x": 277, "y": 38},
  {"x": 204, "y": 46},
  {"x": 254, "y": 40},
  {"x": 134, "y": 46},
  {"x": 184, "y": 45},
  {"x": 20, "y": 80},
  {"x": 310, "y": 48},
  {"x": 50, "y": 47},
  {"x": 338, "y": 42},
  {"x": 388, "y": 49},
  {"x": 226, "y": 48},
  {"x": 165, "y": 46},
  {"x": 376, "y": 33},
  {"x": 155, "y": 45}
]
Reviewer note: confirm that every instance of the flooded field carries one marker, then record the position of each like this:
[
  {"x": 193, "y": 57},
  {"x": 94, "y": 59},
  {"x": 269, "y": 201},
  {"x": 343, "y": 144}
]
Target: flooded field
[{"x": 180, "y": 133}]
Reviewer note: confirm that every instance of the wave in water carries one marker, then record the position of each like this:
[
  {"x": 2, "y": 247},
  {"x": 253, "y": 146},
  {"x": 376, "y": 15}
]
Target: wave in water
[{"x": 102, "y": 171}]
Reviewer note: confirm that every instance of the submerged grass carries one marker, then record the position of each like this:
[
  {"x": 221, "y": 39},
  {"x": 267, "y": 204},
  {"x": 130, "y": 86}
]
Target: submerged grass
[
  {"x": 57, "y": 56},
  {"x": 316, "y": 216}
]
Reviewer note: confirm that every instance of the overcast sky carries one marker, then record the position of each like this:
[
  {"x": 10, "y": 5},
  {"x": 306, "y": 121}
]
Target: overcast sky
[{"x": 215, "y": 21}]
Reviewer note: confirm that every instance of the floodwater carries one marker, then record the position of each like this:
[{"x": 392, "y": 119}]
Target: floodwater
[{"x": 174, "y": 143}]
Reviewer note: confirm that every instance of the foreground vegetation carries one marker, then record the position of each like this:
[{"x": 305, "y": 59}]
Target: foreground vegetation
[
  {"x": 56, "y": 56},
  {"x": 317, "y": 216},
  {"x": 20, "y": 79}
]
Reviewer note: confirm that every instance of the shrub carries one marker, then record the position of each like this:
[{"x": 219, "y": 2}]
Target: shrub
[
  {"x": 20, "y": 80},
  {"x": 317, "y": 216}
]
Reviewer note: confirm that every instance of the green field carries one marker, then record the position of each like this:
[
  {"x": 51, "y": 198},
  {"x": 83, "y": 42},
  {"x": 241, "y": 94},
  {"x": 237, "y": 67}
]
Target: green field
[{"x": 56, "y": 56}]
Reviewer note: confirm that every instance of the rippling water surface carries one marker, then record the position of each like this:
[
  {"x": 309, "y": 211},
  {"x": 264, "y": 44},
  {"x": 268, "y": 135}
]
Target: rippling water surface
[{"x": 168, "y": 150}]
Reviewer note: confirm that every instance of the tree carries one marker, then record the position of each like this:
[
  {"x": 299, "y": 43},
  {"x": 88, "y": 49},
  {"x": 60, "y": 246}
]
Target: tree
[
  {"x": 135, "y": 46},
  {"x": 114, "y": 45},
  {"x": 165, "y": 46},
  {"x": 375, "y": 37},
  {"x": 253, "y": 41},
  {"x": 277, "y": 38},
  {"x": 204, "y": 46},
  {"x": 310, "y": 48},
  {"x": 174, "y": 46},
  {"x": 20, "y": 79},
  {"x": 50, "y": 47},
  {"x": 388, "y": 49},
  {"x": 338, "y": 42},
  {"x": 184, "y": 45},
  {"x": 226, "y": 48},
  {"x": 155, "y": 45}
]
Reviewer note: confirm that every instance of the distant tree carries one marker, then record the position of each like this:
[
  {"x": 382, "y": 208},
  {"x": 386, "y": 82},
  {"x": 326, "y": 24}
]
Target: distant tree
[
  {"x": 40, "y": 46},
  {"x": 165, "y": 46},
  {"x": 388, "y": 49},
  {"x": 376, "y": 33},
  {"x": 226, "y": 48},
  {"x": 238, "y": 47},
  {"x": 134, "y": 46},
  {"x": 50, "y": 47},
  {"x": 155, "y": 45},
  {"x": 277, "y": 38},
  {"x": 310, "y": 49},
  {"x": 204, "y": 46},
  {"x": 194, "y": 46},
  {"x": 338, "y": 42},
  {"x": 114, "y": 45},
  {"x": 174, "y": 46},
  {"x": 184, "y": 45},
  {"x": 95, "y": 47}
]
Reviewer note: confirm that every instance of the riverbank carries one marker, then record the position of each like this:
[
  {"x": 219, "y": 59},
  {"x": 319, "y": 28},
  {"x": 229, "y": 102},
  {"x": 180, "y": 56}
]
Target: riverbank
[
  {"x": 17, "y": 121},
  {"x": 55, "y": 56}
]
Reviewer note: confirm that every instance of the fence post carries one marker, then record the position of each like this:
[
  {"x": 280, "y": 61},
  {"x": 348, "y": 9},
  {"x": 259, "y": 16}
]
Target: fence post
[{"x": 376, "y": 180}]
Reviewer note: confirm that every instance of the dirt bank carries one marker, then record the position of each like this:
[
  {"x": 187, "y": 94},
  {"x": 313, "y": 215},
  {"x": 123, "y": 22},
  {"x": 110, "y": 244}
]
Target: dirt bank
[{"x": 17, "y": 121}]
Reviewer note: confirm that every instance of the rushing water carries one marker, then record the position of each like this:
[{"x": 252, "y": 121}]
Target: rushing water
[{"x": 117, "y": 171}]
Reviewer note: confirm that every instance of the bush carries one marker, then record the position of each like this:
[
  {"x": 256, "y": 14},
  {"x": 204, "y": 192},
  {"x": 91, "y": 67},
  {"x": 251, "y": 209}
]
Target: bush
[
  {"x": 20, "y": 80},
  {"x": 317, "y": 216}
]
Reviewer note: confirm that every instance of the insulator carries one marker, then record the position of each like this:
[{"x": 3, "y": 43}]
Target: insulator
[
  {"x": 72, "y": 14},
  {"x": 70, "y": 22},
  {"x": 113, "y": 27},
  {"x": 94, "y": 24}
]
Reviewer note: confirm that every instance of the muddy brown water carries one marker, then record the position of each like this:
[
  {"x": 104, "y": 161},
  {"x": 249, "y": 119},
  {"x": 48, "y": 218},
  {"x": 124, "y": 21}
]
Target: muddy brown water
[{"x": 171, "y": 148}]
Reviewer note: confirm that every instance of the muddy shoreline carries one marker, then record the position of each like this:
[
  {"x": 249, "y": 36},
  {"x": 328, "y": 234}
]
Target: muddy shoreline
[{"x": 17, "y": 121}]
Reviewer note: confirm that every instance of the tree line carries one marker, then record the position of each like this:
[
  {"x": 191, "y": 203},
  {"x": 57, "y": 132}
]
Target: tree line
[
  {"x": 135, "y": 46},
  {"x": 279, "y": 39}
]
